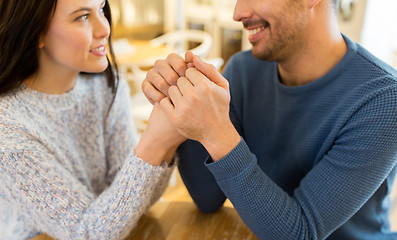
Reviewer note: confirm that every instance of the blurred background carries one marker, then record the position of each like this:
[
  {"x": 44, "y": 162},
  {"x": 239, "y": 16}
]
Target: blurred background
[
  {"x": 145, "y": 30},
  {"x": 373, "y": 23}
]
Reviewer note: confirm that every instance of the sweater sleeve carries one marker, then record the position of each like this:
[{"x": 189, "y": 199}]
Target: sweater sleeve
[
  {"x": 58, "y": 203},
  {"x": 198, "y": 180},
  {"x": 121, "y": 138},
  {"x": 361, "y": 158},
  {"x": 120, "y": 133},
  {"x": 61, "y": 206}
]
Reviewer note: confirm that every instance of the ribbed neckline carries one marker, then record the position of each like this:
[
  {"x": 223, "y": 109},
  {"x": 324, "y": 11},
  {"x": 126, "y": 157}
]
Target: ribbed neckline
[
  {"x": 330, "y": 76},
  {"x": 50, "y": 102}
]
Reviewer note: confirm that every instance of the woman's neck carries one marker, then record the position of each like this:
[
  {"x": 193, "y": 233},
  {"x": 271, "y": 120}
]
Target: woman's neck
[{"x": 52, "y": 82}]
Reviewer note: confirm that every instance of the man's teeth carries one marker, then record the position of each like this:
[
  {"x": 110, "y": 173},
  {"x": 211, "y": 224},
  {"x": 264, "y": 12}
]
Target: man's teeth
[
  {"x": 99, "y": 49},
  {"x": 255, "y": 31}
]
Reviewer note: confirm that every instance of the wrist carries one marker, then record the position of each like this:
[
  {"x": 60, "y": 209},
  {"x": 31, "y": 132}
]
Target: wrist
[
  {"x": 149, "y": 153},
  {"x": 170, "y": 154},
  {"x": 151, "y": 149},
  {"x": 219, "y": 147},
  {"x": 156, "y": 150}
]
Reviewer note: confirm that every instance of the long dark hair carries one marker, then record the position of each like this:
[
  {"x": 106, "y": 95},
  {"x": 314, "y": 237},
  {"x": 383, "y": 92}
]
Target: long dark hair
[{"x": 21, "y": 25}]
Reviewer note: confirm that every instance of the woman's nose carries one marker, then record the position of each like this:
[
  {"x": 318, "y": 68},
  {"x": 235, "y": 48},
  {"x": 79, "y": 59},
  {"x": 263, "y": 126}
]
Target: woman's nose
[{"x": 102, "y": 28}]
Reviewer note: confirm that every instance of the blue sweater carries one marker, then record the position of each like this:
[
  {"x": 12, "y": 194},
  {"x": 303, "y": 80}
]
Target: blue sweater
[{"x": 315, "y": 161}]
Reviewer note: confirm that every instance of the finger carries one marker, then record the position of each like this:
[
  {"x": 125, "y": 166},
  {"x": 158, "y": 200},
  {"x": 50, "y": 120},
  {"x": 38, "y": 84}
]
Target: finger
[
  {"x": 210, "y": 72},
  {"x": 175, "y": 95},
  {"x": 189, "y": 59},
  {"x": 190, "y": 65},
  {"x": 198, "y": 79},
  {"x": 184, "y": 85},
  {"x": 166, "y": 71},
  {"x": 167, "y": 106},
  {"x": 178, "y": 64},
  {"x": 151, "y": 93},
  {"x": 157, "y": 81}
]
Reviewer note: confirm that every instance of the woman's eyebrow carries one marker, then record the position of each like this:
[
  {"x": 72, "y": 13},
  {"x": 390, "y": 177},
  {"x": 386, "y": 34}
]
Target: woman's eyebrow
[
  {"x": 81, "y": 10},
  {"x": 86, "y": 8}
]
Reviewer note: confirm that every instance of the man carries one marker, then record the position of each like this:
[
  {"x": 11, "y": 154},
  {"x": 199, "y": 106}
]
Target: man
[{"x": 309, "y": 147}]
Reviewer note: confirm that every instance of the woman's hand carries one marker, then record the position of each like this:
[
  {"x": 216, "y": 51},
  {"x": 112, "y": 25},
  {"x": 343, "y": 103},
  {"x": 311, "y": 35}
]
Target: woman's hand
[
  {"x": 160, "y": 139},
  {"x": 164, "y": 74}
]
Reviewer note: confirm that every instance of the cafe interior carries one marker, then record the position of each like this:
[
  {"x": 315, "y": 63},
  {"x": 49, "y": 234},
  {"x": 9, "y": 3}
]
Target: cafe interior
[{"x": 146, "y": 30}]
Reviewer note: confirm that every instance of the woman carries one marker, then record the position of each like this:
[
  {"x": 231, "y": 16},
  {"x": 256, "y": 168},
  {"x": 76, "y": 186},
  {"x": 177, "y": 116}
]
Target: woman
[{"x": 69, "y": 163}]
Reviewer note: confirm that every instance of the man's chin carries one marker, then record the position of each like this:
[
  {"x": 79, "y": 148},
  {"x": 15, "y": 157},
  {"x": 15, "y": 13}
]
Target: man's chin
[{"x": 262, "y": 55}]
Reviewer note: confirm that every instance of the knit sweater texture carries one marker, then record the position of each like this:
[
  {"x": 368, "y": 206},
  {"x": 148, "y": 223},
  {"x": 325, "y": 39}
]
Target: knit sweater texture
[
  {"x": 315, "y": 161},
  {"x": 67, "y": 164}
]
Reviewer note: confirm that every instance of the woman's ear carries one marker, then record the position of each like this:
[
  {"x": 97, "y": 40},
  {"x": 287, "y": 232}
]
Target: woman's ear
[{"x": 41, "y": 42}]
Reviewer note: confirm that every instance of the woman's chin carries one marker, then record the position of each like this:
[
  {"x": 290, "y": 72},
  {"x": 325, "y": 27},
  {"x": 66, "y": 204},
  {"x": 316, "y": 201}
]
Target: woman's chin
[{"x": 98, "y": 69}]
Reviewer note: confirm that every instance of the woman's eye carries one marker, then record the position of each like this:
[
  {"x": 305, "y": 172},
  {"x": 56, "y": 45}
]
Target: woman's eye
[
  {"x": 102, "y": 12},
  {"x": 82, "y": 18}
]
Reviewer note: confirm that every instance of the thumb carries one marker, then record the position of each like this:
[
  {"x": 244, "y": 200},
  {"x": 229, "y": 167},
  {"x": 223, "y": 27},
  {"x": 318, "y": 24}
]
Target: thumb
[
  {"x": 189, "y": 59},
  {"x": 210, "y": 72},
  {"x": 167, "y": 106}
]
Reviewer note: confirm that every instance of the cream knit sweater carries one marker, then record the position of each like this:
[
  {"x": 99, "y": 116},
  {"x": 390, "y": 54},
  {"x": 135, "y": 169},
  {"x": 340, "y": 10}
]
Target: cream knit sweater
[{"x": 67, "y": 167}]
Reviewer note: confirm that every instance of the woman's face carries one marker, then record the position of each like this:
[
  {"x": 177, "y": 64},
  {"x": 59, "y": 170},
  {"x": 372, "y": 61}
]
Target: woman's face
[{"x": 77, "y": 37}]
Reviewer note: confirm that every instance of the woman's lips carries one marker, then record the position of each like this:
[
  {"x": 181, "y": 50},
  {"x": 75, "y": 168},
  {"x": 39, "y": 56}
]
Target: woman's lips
[{"x": 99, "y": 51}]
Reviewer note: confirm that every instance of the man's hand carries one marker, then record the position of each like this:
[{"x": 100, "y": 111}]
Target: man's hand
[{"x": 199, "y": 108}]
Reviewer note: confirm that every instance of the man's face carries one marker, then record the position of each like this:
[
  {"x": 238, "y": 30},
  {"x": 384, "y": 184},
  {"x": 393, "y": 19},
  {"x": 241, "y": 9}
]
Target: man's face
[{"x": 276, "y": 27}]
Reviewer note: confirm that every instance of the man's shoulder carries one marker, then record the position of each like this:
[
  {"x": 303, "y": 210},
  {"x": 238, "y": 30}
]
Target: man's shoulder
[{"x": 370, "y": 64}]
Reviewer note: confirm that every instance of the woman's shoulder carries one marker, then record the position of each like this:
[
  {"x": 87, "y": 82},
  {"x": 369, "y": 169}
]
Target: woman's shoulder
[
  {"x": 15, "y": 126},
  {"x": 9, "y": 105}
]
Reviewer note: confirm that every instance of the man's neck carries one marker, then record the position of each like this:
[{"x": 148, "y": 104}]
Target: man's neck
[
  {"x": 321, "y": 50},
  {"x": 313, "y": 62}
]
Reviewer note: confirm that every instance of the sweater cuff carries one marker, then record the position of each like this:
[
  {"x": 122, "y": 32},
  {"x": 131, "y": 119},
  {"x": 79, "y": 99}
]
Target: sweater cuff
[{"x": 233, "y": 163}]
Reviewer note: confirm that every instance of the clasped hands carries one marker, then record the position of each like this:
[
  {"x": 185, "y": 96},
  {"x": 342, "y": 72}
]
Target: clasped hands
[{"x": 195, "y": 97}]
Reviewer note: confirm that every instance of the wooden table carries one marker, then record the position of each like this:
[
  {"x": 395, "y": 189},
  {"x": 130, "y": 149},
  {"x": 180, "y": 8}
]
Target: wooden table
[{"x": 183, "y": 221}]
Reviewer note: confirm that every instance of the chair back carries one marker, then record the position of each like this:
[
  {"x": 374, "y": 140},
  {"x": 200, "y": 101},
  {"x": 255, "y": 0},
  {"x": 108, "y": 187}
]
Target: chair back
[{"x": 180, "y": 39}]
